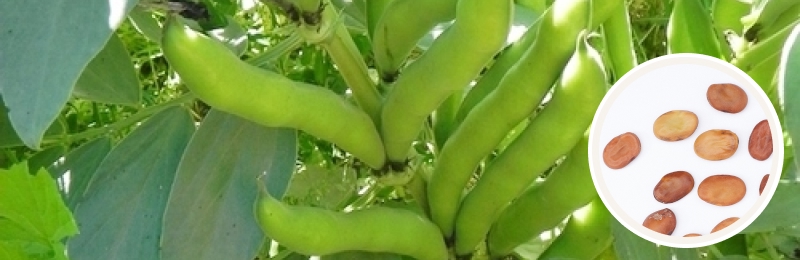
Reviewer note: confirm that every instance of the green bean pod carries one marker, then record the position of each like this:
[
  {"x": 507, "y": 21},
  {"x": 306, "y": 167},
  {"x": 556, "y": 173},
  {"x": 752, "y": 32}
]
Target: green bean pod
[
  {"x": 619, "y": 42},
  {"x": 544, "y": 206},
  {"x": 551, "y": 134},
  {"x": 401, "y": 26},
  {"x": 490, "y": 79},
  {"x": 317, "y": 231},
  {"x": 454, "y": 59},
  {"x": 690, "y": 30},
  {"x": 517, "y": 96},
  {"x": 218, "y": 77},
  {"x": 586, "y": 236}
]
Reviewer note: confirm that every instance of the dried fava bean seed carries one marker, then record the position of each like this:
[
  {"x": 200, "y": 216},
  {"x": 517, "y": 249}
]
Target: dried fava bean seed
[
  {"x": 662, "y": 221},
  {"x": 692, "y": 235},
  {"x": 715, "y": 145},
  {"x": 760, "y": 144},
  {"x": 725, "y": 223},
  {"x": 722, "y": 190},
  {"x": 728, "y": 98},
  {"x": 763, "y": 184},
  {"x": 675, "y": 125},
  {"x": 673, "y": 187},
  {"x": 621, "y": 150}
]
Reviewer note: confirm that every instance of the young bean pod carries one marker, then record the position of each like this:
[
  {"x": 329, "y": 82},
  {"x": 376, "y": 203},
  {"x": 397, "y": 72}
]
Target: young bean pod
[
  {"x": 516, "y": 97},
  {"x": 401, "y": 26},
  {"x": 316, "y": 231},
  {"x": 551, "y": 134},
  {"x": 454, "y": 59},
  {"x": 218, "y": 77},
  {"x": 690, "y": 30},
  {"x": 587, "y": 234},
  {"x": 491, "y": 78},
  {"x": 544, "y": 206}
]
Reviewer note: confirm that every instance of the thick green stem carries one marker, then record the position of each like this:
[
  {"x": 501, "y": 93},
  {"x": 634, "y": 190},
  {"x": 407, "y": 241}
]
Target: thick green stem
[{"x": 333, "y": 36}]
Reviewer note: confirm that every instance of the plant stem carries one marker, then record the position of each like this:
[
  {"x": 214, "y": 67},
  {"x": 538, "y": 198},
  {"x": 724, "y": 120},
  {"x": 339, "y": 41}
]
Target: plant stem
[
  {"x": 333, "y": 36},
  {"x": 770, "y": 247},
  {"x": 124, "y": 123}
]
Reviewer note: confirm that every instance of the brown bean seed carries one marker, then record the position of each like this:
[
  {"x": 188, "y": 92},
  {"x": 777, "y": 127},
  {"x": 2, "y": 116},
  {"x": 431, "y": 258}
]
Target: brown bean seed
[
  {"x": 662, "y": 221},
  {"x": 715, "y": 145},
  {"x": 722, "y": 190},
  {"x": 725, "y": 223},
  {"x": 728, "y": 98},
  {"x": 621, "y": 150},
  {"x": 763, "y": 184},
  {"x": 675, "y": 125},
  {"x": 692, "y": 235},
  {"x": 760, "y": 144},
  {"x": 673, "y": 187}
]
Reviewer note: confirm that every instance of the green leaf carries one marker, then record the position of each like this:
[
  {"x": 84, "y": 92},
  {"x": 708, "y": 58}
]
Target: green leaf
[
  {"x": 110, "y": 77},
  {"x": 12, "y": 251},
  {"x": 145, "y": 23},
  {"x": 210, "y": 207},
  {"x": 9, "y": 137},
  {"x": 789, "y": 87},
  {"x": 122, "y": 209},
  {"x": 32, "y": 202},
  {"x": 81, "y": 165},
  {"x": 324, "y": 187},
  {"x": 45, "y": 45},
  {"x": 630, "y": 246},
  {"x": 782, "y": 210},
  {"x": 233, "y": 35},
  {"x": 45, "y": 158}
]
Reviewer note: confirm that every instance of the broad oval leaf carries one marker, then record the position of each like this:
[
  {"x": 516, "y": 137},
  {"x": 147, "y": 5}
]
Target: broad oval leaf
[
  {"x": 45, "y": 158},
  {"x": 210, "y": 210},
  {"x": 9, "y": 137},
  {"x": 78, "y": 167},
  {"x": 782, "y": 210},
  {"x": 44, "y": 46},
  {"x": 789, "y": 87},
  {"x": 110, "y": 77},
  {"x": 145, "y": 23},
  {"x": 630, "y": 246},
  {"x": 122, "y": 209}
]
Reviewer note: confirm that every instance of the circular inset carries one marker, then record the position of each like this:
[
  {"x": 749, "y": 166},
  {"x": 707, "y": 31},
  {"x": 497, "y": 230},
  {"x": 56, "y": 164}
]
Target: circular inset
[
  {"x": 673, "y": 187},
  {"x": 621, "y": 150},
  {"x": 723, "y": 224},
  {"x": 722, "y": 190},
  {"x": 760, "y": 145},
  {"x": 728, "y": 98},
  {"x": 675, "y": 125},
  {"x": 662, "y": 221},
  {"x": 716, "y": 144},
  {"x": 680, "y": 82}
]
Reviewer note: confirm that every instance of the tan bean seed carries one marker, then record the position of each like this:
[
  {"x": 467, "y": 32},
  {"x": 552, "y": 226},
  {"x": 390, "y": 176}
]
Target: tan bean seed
[
  {"x": 722, "y": 190},
  {"x": 728, "y": 98},
  {"x": 715, "y": 145},
  {"x": 725, "y": 223},
  {"x": 675, "y": 125},
  {"x": 662, "y": 221},
  {"x": 760, "y": 144},
  {"x": 673, "y": 187},
  {"x": 621, "y": 150}
]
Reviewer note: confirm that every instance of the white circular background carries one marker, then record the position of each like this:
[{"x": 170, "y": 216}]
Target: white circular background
[{"x": 680, "y": 82}]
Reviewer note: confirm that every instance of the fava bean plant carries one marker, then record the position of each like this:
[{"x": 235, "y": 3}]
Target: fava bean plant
[{"x": 362, "y": 129}]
